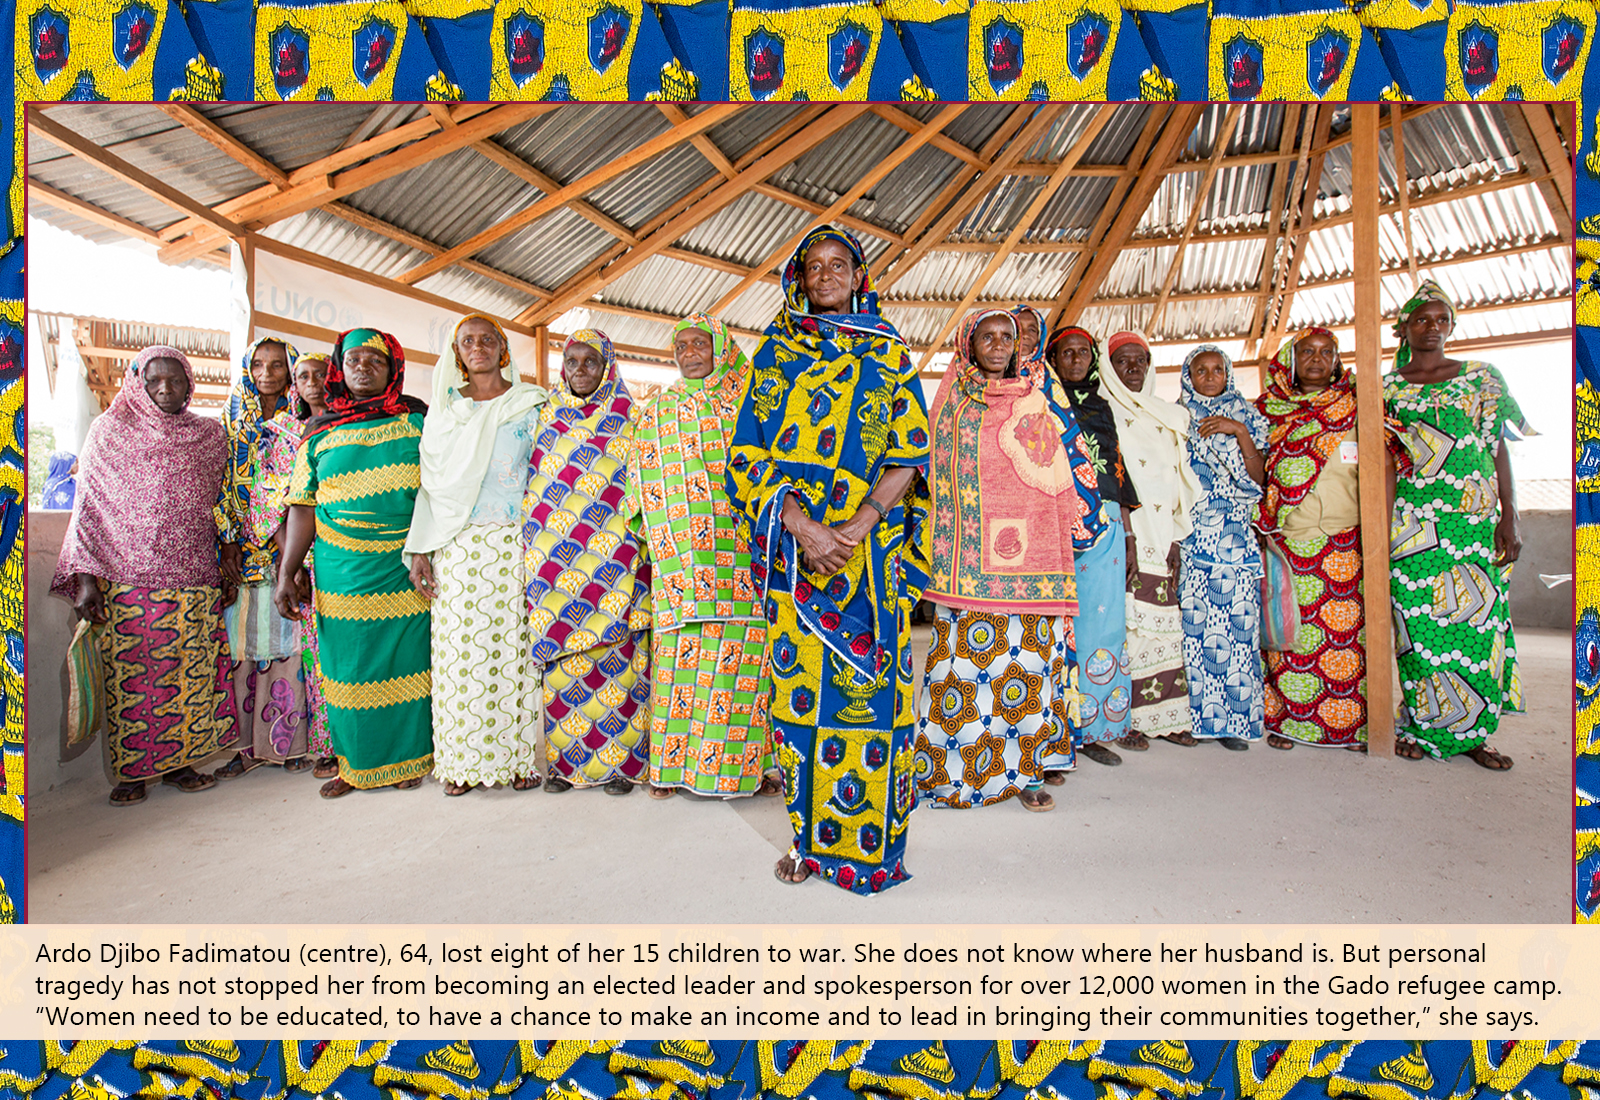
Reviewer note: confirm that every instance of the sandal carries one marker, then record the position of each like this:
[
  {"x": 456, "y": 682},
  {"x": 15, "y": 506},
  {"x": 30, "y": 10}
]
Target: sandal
[
  {"x": 556, "y": 785},
  {"x": 1184, "y": 738},
  {"x": 409, "y": 784},
  {"x": 298, "y": 764},
  {"x": 791, "y": 870},
  {"x": 1485, "y": 757},
  {"x": 1036, "y": 801},
  {"x": 456, "y": 790},
  {"x": 1100, "y": 754},
  {"x": 239, "y": 765},
  {"x": 525, "y": 783},
  {"x": 327, "y": 767},
  {"x": 188, "y": 781},
  {"x": 1055, "y": 779},
  {"x": 1278, "y": 741},
  {"x": 619, "y": 786},
  {"x": 1234, "y": 744},
  {"x": 1135, "y": 741},
  {"x": 661, "y": 793},
  {"x": 335, "y": 788},
  {"x": 770, "y": 785},
  {"x": 129, "y": 794},
  {"x": 1359, "y": 746},
  {"x": 1408, "y": 750}
]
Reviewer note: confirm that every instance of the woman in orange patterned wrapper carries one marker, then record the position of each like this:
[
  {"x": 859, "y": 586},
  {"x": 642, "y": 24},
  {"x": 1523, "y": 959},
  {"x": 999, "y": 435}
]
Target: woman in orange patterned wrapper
[{"x": 1014, "y": 496}]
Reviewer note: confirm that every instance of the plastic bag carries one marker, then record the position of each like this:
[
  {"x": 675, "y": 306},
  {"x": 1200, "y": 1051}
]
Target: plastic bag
[{"x": 1280, "y": 607}]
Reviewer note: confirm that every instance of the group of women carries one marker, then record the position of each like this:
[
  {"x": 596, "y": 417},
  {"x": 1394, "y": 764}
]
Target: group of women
[{"x": 710, "y": 592}]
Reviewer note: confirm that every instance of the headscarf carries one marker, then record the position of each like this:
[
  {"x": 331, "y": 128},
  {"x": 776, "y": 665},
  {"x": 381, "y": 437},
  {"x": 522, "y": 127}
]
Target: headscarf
[
  {"x": 458, "y": 437},
  {"x": 687, "y": 521},
  {"x": 575, "y": 523},
  {"x": 1038, "y": 356},
  {"x": 1218, "y": 458},
  {"x": 1428, "y": 291},
  {"x": 1306, "y": 427},
  {"x": 343, "y": 407},
  {"x": 147, "y": 488},
  {"x": 242, "y": 487},
  {"x": 856, "y": 361},
  {"x": 1094, "y": 415},
  {"x": 1151, "y": 434},
  {"x": 1010, "y": 549},
  {"x": 302, "y": 411}
]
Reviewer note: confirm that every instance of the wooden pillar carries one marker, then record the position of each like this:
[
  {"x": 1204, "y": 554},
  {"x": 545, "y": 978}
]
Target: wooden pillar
[
  {"x": 1369, "y": 430},
  {"x": 541, "y": 365}
]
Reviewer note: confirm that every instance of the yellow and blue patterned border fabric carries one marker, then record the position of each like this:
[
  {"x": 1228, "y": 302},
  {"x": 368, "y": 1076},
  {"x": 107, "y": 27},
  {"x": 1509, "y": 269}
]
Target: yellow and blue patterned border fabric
[
  {"x": 13, "y": 506},
  {"x": 678, "y": 1069},
  {"x": 140, "y": 50}
]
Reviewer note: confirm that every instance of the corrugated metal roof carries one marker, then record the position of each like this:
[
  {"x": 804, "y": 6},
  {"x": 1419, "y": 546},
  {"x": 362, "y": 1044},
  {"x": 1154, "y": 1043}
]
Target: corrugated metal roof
[{"x": 454, "y": 197}]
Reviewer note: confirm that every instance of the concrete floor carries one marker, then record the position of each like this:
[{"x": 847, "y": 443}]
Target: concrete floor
[{"x": 1175, "y": 835}]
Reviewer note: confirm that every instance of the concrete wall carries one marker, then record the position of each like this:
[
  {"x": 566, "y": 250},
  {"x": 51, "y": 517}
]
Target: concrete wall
[{"x": 1546, "y": 548}]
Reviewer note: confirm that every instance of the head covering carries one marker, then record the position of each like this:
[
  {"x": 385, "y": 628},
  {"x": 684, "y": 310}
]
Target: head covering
[
  {"x": 1093, "y": 411},
  {"x": 1038, "y": 355},
  {"x": 1218, "y": 459},
  {"x": 576, "y": 524},
  {"x": 458, "y": 437},
  {"x": 966, "y": 353},
  {"x": 1012, "y": 551},
  {"x": 302, "y": 411},
  {"x": 1151, "y": 434},
  {"x": 680, "y": 454},
  {"x": 247, "y": 439},
  {"x": 147, "y": 485},
  {"x": 807, "y": 368},
  {"x": 1428, "y": 291},
  {"x": 345, "y": 408}
]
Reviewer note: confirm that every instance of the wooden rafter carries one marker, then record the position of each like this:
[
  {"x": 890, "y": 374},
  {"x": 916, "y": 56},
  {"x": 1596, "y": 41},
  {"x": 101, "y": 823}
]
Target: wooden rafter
[
  {"x": 896, "y": 116},
  {"x": 213, "y": 132},
  {"x": 505, "y": 158},
  {"x": 1091, "y": 130},
  {"x": 346, "y": 212},
  {"x": 113, "y": 165},
  {"x": 578, "y": 188},
  {"x": 43, "y": 192},
  {"x": 702, "y": 142},
  {"x": 325, "y": 180},
  {"x": 1545, "y": 158},
  {"x": 1292, "y": 114},
  {"x": 1402, "y": 175},
  {"x": 1219, "y": 150},
  {"x": 1557, "y": 155},
  {"x": 1043, "y": 118},
  {"x": 576, "y": 291},
  {"x": 1311, "y": 182},
  {"x": 1180, "y": 125},
  {"x": 874, "y": 176}
]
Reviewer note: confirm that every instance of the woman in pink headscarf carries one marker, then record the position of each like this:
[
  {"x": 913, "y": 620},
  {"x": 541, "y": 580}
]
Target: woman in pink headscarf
[{"x": 140, "y": 563}]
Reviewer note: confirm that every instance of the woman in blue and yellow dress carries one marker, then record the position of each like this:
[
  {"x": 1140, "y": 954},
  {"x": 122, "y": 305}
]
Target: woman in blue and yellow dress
[
  {"x": 353, "y": 490},
  {"x": 828, "y": 469}
]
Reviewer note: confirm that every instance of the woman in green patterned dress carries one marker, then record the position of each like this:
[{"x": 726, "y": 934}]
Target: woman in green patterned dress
[
  {"x": 1452, "y": 541},
  {"x": 354, "y": 486}
]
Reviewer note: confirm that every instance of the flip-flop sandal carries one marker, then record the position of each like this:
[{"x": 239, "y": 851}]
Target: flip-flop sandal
[
  {"x": 526, "y": 783},
  {"x": 1055, "y": 779},
  {"x": 1408, "y": 750},
  {"x": 1097, "y": 752},
  {"x": 1234, "y": 744},
  {"x": 127, "y": 794},
  {"x": 1485, "y": 757},
  {"x": 1040, "y": 803},
  {"x": 662, "y": 793},
  {"x": 796, "y": 866},
  {"x": 335, "y": 788},
  {"x": 408, "y": 784},
  {"x": 298, "y": 764},
  {"x": 456, "y": 790},
  {"x": 1134, "y": 742},
  {"x": 326, "y": 768},
  {"x": 1277, "y": 741},
  {"x": 192, "y": 783},
  {"x": 240, "y": 765},
  {"x": 1184, "y": 738}
]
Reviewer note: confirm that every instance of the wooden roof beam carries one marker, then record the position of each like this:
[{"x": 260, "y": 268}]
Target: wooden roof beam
[
  {"x": 1547, "y": 156},
  {"x": 1207, "y": 179},
  {"x": 214, "y": 133},
  {"x": 113, "y": 165},
  {"x": 1311, "y": 181},
  {"x": 526, "y": 172},
  {"x": 580, "y": 289},
  {"x": 1091, "y": 130},
  {"x": 875, "y": 175},
  {"x": 1180, "y": 125},
  {"x": 563, "y": 195},
  {"x": 897, "y": 116},
  {"x": 348, "y": 213},
  {"x": 702, "y": 142},
  {"x": 1292, "y": 114}
]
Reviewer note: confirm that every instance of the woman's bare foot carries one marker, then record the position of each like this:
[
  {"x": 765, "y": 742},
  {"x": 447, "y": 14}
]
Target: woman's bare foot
[
  {"x": 1485, "y": 757},
  {"x": 791, "y": 869},
  {"x": 1278, "y": 741},
  {"x": 1036, "y": 801}
]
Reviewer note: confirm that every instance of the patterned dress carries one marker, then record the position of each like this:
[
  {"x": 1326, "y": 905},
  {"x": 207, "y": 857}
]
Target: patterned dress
[
  {"x": 712, "y": 672},
  {"x": 1454, "y": 645},
  {"x": 372, "y": 625}
]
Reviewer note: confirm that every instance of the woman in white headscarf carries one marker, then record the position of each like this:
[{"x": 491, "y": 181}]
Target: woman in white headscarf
[
  {"x": 1151, "y": 434},
  {"x": 466, "y": 556}
]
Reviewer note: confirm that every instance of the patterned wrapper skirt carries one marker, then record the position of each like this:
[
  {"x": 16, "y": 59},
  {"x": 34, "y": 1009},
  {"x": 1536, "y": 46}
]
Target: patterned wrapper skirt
[
  {"x": 597, "y": 714},
  {"x": 318, "y": 741},
  {"x": 1100, "y": 630},
  {"x": 1155, "y": 657},
  {"x": 997, "y": 701},
  {"x": 169, "y": 695},
  {"x": 1219, "y": 594},
  {"x": 1317, "y": 694},
  {"x": 709, "y": 727},
  {"x": 845, "y": 748},
  {"x": 268, "y": 676},
  {"x": 485, "y": 690}
]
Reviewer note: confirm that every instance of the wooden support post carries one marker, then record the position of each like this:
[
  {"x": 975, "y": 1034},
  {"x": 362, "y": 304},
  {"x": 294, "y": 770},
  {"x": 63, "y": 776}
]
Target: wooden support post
[
  {"x": 541, "y": 365},
  {"x": 1369, "y": 431}
]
